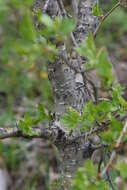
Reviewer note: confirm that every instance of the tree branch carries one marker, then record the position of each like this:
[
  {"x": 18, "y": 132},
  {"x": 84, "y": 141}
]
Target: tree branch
[
  {"x": 103, "y": 18},
  {"x": 53, "y": 132},
  {"x": 86, "y": 21},
  {"x": 37, "y": 132}
]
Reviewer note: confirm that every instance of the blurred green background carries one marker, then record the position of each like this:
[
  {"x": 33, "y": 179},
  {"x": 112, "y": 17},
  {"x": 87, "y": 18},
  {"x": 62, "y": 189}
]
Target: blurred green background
[{"x": 24, "y": 83}]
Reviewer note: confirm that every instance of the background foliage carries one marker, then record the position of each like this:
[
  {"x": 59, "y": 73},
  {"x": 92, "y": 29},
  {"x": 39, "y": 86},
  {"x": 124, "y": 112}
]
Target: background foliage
[{"x": 24, "y": 51}]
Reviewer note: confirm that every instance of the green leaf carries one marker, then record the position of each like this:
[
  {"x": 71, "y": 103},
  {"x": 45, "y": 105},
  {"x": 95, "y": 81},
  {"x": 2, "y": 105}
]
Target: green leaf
[
  {"x": 116, "y": 93},
  {"x": 88, "y": 116},
  {"x": 56, "y": 28},
  {"x": 88, "y": 50},
  {"x": 87, "y": 177},
  {"x": 65, "y": 26},
  {"x": 26, "y": 125},
  {"x": 26, "y": 27},
  {"x": 111, "y": 135},
  {"x": 121, "y": 166},
  {"x": 71, "y": 118},
  {"x": 97, "y": 60},
  {"x": 96, "y": 10},
  {"x": 104, "y": 68},
  {"x": 47, "y": 21},
  {"x": 118, "y": 90},
  {"x": 42, "y": 113},
  {"x": 123, "y": 103}
]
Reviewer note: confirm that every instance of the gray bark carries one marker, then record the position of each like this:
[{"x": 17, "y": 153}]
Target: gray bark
[{"x": 65, "y": 75}]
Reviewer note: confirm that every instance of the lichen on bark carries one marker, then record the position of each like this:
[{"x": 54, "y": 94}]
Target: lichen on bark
[{"x": 65, "y": 75}]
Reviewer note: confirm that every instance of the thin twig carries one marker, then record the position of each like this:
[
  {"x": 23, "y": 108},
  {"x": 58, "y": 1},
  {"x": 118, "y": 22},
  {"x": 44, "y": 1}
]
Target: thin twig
[
  {"x": 64, "y": 14},
  {"x": 112, "y": 158},
  {"x": 121, "y": 136},
  {"x": 61, "y": 5},
  {"x": 105, "y": 16},
  {"x": 107, "y": 172},
  {"x": 113, "y": 155},
  {"x": 100, "y": 127}
]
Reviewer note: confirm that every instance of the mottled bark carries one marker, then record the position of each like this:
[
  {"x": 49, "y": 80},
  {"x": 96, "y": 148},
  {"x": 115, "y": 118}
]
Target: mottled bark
[
  {"x": 65, "y": 73},
  {"x": 86, "y": 21},
  {"x": 66, "y": 77}
]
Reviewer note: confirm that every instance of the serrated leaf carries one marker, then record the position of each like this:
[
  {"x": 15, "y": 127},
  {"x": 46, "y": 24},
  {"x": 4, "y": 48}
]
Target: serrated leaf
[
  {"x": 116, "y": 93},
  {"x": 111, "y": 135},
  {"x": 87, "y": 177},
  {"x": 26, "y": 124},
  {"x": 71, "y": 118}
]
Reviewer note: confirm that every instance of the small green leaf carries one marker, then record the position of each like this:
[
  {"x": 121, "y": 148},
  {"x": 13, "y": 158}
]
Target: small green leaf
[
  {"x": 66, "y": 26},
  {"x": 42, "y": 113},
  {"x": 88, "y": 50},
  {"x": 116, "y": 93},
  {"x": 26, "y": 27},
  {"x": 110, "y": 136},
  {"x": 87, "y": 178},
  {"x": 47, "y": 21},
  {"x": 26, "y": 124},
  {"x": 123, "y": 103},
  {"x": 118, "y": 89},
  {"x": 71, "y": 118},
  {"x": 121, "y": 166},
  {"x": 104, "y": 68},
  {"x": 96, "y": 10}
]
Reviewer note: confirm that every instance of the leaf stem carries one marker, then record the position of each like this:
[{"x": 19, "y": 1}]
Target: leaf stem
[{"x": 103, "y": 18}]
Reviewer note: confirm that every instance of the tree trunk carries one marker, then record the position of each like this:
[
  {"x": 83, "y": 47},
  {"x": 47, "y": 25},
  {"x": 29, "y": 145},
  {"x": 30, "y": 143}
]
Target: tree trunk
[{"x": 65, "y": 75}]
